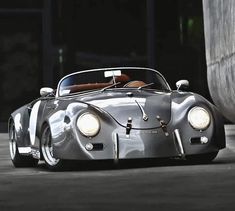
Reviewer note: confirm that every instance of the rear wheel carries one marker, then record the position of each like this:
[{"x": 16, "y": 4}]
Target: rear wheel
[
  {"x": 47, "y": 151},
  {"x": 202, "y": 158},
  {"x": 19, "y": 160}
]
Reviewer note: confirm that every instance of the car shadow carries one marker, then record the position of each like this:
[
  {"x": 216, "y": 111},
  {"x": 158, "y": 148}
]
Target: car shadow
[{"x": 126, "y": 164}]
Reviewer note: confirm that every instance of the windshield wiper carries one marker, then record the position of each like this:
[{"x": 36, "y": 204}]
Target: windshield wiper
[
  {"x": 110, "y": 86},
  {"x": 146, "y": 85}
]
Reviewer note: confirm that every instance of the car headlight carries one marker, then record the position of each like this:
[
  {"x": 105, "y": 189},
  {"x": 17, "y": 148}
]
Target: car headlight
[
  {"x": 88, "y": 124},
  {"x": 199, "y": 118}
]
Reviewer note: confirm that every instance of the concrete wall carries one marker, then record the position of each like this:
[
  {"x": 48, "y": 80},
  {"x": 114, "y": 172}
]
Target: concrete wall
[{"x": 219, "y": 27}]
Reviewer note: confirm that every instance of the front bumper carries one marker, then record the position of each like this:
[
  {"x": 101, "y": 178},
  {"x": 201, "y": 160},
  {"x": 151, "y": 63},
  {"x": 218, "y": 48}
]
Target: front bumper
[{"x": 152, "y": 143}]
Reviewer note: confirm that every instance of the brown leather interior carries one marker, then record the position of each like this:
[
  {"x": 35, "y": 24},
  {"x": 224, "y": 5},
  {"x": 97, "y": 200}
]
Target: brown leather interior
[
  {"x": 89, "y": 86},
  {"x": 122, "y": 78},
  {"x": 135, "y": 84}
]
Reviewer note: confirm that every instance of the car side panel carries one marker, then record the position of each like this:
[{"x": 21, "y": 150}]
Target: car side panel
[
  {"x": 20, "y": 118},
  {"x": 26, "y": 130}
]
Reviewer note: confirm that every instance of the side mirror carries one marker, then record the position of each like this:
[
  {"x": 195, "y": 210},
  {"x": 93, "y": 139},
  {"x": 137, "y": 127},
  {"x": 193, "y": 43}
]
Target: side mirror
[
  {"x": 182, "y": 84},
  {"x": 46, "y": 91}
]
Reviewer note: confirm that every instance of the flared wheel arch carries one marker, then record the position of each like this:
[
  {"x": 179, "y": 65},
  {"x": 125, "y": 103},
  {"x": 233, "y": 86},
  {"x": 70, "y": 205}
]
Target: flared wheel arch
[
  {"x": 58, "y": 165},
  {"x": 18, "y": 160}
]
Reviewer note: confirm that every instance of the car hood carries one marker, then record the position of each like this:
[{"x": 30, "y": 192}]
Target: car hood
[{"x": 122, "y": 105}]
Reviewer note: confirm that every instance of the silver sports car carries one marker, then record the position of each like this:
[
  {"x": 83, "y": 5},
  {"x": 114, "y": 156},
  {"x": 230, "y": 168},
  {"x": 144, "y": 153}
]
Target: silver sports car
[{"x": 113, "y": 114}]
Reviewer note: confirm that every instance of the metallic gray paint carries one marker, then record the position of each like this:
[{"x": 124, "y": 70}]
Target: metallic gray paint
[
  {"x": 154, "y": 103},
  {"x": 147, "y": 139}
]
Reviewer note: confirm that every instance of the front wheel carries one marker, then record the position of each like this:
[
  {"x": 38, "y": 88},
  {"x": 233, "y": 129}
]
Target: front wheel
[
  {"x": 47, "y": 151},
  {"x": 19, "y": 160}
]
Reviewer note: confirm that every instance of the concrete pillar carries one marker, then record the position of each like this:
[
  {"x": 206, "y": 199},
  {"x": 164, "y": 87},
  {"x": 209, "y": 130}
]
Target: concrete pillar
[{"x": 219, "y": 27}]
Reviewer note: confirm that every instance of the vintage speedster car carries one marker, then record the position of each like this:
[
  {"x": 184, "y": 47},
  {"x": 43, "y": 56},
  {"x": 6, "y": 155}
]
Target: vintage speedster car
[{"x": 115, "y": 113}]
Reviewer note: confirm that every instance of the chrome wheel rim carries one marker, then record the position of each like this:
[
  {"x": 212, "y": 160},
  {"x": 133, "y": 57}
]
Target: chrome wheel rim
[
  {"x": 12, "y": 143},
  {"x": 47, "y": 148}
]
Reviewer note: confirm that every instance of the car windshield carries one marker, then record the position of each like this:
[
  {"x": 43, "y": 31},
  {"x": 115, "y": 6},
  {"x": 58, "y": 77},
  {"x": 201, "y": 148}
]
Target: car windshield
[{"x": 102, "y": 79}]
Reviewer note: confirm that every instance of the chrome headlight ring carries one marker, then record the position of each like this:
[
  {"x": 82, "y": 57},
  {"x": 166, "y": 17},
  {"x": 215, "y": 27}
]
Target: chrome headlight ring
[
  {"x": 88, "y": 124},
  {"x": 199, "y": 118}
]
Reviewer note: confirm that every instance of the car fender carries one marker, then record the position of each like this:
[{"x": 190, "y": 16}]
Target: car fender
[{"x": 20, "y": 118}]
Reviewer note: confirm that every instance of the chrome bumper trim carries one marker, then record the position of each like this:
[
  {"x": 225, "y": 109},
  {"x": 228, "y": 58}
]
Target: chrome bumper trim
[
  {"x": 179, "y": 142},
  {"x": 116, "y": 147},
  {"x": 24, "y": 150}
]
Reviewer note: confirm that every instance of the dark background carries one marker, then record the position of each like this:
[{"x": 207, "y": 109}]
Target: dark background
[{"x": 43, "y": 40}]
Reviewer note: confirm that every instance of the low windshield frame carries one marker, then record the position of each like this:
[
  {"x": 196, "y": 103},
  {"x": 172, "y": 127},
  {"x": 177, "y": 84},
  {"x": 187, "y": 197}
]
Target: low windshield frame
[{"x": 65, "y": 81}]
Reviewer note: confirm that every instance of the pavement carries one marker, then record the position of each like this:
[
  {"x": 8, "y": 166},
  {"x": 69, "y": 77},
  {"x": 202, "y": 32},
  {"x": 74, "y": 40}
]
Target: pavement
[{"x": 134, "y": 186}]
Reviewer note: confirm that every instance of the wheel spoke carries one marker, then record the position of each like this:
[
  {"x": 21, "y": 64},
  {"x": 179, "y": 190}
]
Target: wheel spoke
[{"x": 12, "y": 143}]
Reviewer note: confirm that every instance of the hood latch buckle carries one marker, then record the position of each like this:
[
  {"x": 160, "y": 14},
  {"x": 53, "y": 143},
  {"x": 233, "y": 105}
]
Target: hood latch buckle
[
  {"x": 163, "y": 125},
  {"x": 128, "y": 126}
]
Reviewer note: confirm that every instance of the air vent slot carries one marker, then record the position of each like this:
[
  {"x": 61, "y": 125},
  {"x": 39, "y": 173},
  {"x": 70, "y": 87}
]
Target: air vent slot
[{"x": 98, "y": 147}]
